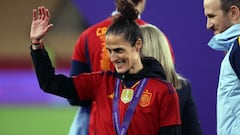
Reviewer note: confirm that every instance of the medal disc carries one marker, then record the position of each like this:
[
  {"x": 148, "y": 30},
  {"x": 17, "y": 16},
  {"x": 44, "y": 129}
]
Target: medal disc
[{"x": 127, "y": 95}]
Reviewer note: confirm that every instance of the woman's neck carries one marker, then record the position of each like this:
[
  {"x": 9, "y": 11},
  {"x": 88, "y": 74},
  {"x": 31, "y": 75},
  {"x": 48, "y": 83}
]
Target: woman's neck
[{"x": 136, "y": 67}]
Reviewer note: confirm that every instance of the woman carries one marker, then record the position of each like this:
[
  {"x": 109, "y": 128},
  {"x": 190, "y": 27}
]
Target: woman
[
  {"x": 156, "y": 45},
  {"x": 132, "y": 100}
]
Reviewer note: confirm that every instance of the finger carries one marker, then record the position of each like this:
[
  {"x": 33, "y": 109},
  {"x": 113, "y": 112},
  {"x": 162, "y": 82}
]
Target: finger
[
  {"x": 48, "y": 27},
  {"x": 43, "y": 13},
  {"x": 47, "y": 13},
  {"x": 34, "y": 14},
  {"x": 39, "y": 12}
]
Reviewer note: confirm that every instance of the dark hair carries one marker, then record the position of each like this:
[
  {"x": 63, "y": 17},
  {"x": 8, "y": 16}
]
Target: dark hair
[
  {"x": 226, "y": 4},
  {"x": 125, "y": 24},
  {"x": 135, "y": 2}
]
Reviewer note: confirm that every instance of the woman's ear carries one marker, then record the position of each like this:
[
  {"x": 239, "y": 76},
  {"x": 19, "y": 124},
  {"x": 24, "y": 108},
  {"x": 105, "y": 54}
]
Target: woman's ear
[{"x": 139, "y": 44}]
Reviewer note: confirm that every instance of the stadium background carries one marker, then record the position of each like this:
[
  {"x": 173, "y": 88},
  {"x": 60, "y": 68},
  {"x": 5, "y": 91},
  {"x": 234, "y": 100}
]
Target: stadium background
[{"x": 26, "y": 110}]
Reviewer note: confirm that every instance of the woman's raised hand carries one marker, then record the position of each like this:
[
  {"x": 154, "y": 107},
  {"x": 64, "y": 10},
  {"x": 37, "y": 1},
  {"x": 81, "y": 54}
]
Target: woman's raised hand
[{"x": 40, "y": 24}]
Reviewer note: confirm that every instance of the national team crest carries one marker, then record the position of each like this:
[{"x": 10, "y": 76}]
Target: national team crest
[
  {"x": 145, "y": 99},
  {"x": 127, "y": 95}
]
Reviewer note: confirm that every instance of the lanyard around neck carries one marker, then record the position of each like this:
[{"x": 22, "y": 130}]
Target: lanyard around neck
[{"x": 122, "y": 129}]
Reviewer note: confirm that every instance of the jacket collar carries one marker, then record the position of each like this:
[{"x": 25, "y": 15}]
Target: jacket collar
[{"x": 224, "y": 40}]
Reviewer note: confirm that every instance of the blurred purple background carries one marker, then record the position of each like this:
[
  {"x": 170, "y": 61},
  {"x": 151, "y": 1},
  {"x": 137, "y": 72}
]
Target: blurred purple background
[{"x": 20, "y": 87}]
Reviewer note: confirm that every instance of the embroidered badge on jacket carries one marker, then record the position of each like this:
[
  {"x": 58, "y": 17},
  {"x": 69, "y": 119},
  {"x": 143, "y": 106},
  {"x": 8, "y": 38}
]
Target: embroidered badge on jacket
[
  {"x": 145, "y": 98},
  {"x": 127, "y": 95}
]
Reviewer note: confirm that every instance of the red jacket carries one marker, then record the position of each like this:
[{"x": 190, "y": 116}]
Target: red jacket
[
  {"x": 158, "y": 106},
  {"x": 157, "y": 111}
]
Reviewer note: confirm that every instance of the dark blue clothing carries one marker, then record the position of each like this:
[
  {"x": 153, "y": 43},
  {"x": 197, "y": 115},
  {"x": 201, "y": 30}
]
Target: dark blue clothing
[{"x": 189, "y": 116}]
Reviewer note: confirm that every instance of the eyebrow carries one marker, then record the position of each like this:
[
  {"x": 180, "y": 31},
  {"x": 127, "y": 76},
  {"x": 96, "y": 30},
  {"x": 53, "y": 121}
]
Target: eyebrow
[{"x": 115, "y": 49}]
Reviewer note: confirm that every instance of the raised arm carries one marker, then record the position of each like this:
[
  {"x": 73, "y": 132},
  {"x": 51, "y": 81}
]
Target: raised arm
[{"x": 49, "y": 82}]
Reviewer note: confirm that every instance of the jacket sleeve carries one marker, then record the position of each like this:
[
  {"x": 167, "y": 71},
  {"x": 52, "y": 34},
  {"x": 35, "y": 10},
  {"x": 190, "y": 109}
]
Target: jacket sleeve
[
  {"x": 59, "y": 85},
  {"x": 170, "y": 130},
  {"x": 76, "y": 69},
  {"x": 79, "y": 65},
  {"x": 190, "y": 121}
]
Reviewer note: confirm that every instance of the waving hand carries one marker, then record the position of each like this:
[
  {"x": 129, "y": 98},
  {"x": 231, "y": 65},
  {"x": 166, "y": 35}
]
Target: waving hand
[{"x": 40, "y": 24}]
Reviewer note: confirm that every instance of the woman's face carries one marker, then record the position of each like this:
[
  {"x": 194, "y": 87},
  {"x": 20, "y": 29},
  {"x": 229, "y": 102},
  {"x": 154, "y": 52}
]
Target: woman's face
[{"x": 123, "y": 56}]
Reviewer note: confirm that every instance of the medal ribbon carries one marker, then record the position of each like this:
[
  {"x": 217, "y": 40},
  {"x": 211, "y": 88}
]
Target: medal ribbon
[{"x": 121, "y": 130}]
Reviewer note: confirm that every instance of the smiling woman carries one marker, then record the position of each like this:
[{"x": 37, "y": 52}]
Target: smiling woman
[
  {"x": 159, "y": 114},
  {"x": 123, "y": 55}
]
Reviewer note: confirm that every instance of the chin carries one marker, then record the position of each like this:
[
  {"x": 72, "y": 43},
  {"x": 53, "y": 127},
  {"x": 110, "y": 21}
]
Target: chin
[
  {"x": 215, "y": 33},
  {"x": 121, "y": 71}
]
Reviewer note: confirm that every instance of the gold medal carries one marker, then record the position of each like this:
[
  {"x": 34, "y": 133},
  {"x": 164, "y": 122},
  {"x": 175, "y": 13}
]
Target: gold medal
[{"x": 127, "y": 95}]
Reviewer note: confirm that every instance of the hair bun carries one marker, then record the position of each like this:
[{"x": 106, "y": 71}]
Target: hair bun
[{"x": 127, "y": 10}]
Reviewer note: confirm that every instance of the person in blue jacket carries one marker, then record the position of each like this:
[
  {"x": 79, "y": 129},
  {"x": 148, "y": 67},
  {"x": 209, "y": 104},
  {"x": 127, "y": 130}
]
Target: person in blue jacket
[{"x": 223, "y": 18}]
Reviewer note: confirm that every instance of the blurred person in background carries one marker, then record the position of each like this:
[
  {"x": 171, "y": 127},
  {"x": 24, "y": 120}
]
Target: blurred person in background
[{"x": 157, "y": 45}]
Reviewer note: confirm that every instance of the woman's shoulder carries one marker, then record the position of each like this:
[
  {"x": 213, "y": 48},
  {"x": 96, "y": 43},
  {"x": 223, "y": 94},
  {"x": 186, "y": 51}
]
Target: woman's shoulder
[
  {"x": 160, "y": 84},
  {"x": 185, "y": 84}
]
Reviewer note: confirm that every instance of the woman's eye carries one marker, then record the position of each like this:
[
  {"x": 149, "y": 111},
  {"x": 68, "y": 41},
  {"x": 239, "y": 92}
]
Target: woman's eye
[
  {"x": 109, "y": 51},
  {"x": 118, "y": 50}
]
